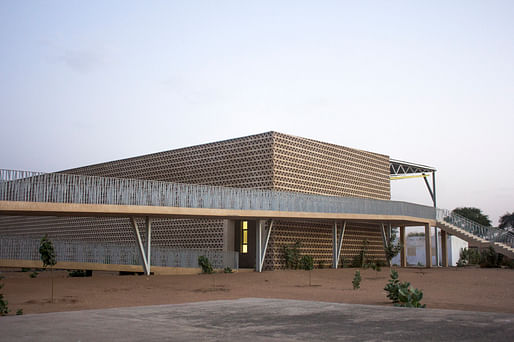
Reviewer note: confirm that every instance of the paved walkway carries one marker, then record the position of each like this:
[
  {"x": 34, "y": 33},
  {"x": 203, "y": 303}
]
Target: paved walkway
[{"x": 254, "y": 320}]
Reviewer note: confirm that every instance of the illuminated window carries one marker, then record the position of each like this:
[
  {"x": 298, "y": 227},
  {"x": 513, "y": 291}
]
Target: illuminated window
[{"x": 244, "y": 237}]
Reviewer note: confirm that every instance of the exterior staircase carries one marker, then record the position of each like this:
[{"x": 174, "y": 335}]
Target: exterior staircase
[{"x": 477, "y": 235}]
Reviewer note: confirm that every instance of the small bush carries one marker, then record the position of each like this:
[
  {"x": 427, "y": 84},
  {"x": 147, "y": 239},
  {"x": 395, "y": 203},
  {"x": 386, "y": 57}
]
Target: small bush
[
  {"x": 19, "y": 312},
  {"x": 4, "y": 308},
  {"x": 24, "y": 269},
  {"x": 205, "y": 264},
  {"x": 306, "y": 263},
  {"x": 468, "y": 256},
  {"x": 34, "y": 274},
  {"x": 402, "y": 294},
  {"x": 490, "y": 259},
  {"x": 392, "y": 287},
  {"x": 292, "y": 255},
  {"x": 79, "y": 273},
  {"x": 227, "y": 270},
  {"x": 409, "y": 297},
  {"x": 356, "y": 282}
]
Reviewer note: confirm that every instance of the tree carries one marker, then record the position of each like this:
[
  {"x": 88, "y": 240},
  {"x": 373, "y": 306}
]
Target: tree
[
  {"x": 507, "y": 221},
  {"x": 473, "y": 214},
  {"x": 47, "y": 252}
]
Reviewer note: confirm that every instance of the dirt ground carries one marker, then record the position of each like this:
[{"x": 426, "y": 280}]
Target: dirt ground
[{"x": 472, "y": 289}]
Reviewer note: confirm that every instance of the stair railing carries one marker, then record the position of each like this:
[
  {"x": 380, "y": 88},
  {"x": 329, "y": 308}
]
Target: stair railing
[{"x": 491, "y": 234}]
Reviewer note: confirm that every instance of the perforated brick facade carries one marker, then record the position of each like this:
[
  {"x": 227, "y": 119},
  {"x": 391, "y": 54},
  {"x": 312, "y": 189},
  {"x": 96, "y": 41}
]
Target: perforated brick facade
[{"x": 266, "y": 161}]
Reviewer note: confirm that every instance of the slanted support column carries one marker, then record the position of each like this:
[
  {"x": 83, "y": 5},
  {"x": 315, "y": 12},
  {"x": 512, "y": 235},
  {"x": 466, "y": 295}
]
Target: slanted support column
[
  {"x": 145, "y": 256},
  {"x": 262, "y": 238},
  {"x": 337, "y": 243},
  {"x": 385, "y": 240},
  {"x": 428, "y": 246},
  {"x": 444, "y": 251},
  {"x": 403, "y": 255}
]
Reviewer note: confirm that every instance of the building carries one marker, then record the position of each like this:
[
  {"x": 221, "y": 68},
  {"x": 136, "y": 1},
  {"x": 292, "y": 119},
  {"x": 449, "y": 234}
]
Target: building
[
  {"x": 415, "y": 250},
  {"x": 271, "y": 160}
]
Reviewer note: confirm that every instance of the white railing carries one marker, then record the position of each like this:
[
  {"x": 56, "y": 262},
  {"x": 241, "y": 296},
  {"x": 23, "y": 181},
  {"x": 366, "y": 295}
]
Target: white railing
[
  {"x": 491, "y": 234},
  {"x": 66, "y": 188}
]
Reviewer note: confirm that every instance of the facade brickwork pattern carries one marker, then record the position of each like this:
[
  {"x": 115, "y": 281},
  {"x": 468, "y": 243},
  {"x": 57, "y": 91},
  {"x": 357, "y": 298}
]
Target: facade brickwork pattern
[{"x": 263, "y": 161}]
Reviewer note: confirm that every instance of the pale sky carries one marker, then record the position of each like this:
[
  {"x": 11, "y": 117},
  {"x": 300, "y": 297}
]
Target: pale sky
[{"x": 430, "y": 82}]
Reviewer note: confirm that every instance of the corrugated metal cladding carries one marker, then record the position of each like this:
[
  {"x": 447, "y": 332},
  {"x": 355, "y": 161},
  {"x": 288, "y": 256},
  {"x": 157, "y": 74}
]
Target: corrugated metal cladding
[{"x": 267, "y": 161}]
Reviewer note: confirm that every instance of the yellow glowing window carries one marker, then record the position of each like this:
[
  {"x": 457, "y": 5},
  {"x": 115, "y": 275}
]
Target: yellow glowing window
[{"x": 244, "y": 237}]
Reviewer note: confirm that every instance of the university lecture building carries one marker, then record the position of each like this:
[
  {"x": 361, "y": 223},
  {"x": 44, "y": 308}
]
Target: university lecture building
[{"x": 270, "y": 161}]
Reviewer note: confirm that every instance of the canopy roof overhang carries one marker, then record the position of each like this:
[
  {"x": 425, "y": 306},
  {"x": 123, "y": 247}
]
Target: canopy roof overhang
[{"x": 399, "y": 167}]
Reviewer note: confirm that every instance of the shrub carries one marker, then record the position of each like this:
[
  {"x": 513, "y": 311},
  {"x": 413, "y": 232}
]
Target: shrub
[
  {"x": 356, "y": 282},
  {"x": 47, "y": 252},
  {"x": 205, "y": 264},
  {"x": 489, "y": 258},
  {"x": 4, "y": 308},
  {"x": 392, "y": 287},
  {"x": 402, "y": 294},
  {"x": 392, "y": 249},
  {"x": 409, "y": 297},
  {"x": 34, "y": 274},
  {"x": 468, "y": 256},
  {"x": 19, "y": 312},
  {"x": 306, "y": 263},
  {"x": 361, "y": 259},
  {"x": 227, "y": 270},
  {"x": 292, "y": 255},
  {"x": 79, "y": 273}
]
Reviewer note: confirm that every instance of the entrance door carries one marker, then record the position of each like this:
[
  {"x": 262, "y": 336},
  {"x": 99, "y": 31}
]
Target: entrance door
[{"x": 245, "y": 243}]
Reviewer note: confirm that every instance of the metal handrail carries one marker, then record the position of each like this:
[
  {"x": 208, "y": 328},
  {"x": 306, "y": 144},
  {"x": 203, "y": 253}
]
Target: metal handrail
[
  {"x": 490, "y": 234},
  {"x": 80, "y": 189}
]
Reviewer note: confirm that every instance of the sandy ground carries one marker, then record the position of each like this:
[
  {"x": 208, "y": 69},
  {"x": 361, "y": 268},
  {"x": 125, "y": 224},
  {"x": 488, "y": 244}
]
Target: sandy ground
[{"x": 454, "y": 288}]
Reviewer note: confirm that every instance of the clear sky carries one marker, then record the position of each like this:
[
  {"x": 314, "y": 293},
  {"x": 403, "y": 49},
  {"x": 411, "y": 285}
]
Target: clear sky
[{"x": 430, "y": 82}]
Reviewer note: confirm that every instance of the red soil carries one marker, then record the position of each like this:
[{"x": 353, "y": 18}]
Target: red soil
[{"x": 453, "y": 288}]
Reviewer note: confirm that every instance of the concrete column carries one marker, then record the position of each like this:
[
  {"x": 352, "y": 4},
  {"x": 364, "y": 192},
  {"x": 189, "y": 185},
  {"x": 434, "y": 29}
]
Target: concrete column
[
  {"x": 436, "y": 247},
  {"x": 444, "y": 251},
  {"x": 403, "y": 255},
  {"x": 428, "y": 246},
  {"x": 334, "y": 246}
]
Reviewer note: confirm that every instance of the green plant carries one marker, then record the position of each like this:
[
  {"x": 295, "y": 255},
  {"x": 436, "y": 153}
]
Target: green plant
[
  {"x": 469, "y": 256},
  {"x": 402, "y": 294},
  {"x": 34, "y": 274},
  {"x": 409, "y": 297},
  {"x": 19, "y": 312},
  {"x": 392, "y": 249},
  {"x": 205, "y": 264},
  {"x": 227, "y": 270},
  {"x": 306, "y": 263},
  {"x": 79, "y": 273},
  {"x": 392, "y": 287},
  {"x": 489, "y": 258},
  {"x": 24, "y": 269},
  {"x": 47, "y": 252},
  {"x": 292, "y": 255},
  {"x": 356, "y": 282},
  {"x": 361, "y": 259},
  {"x": 4, "y": 308}
]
